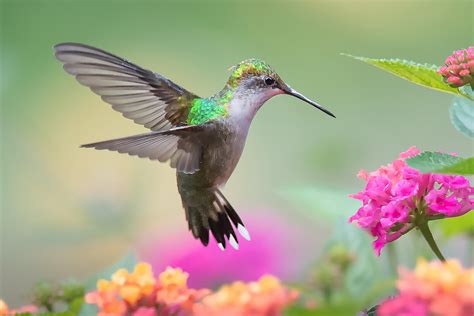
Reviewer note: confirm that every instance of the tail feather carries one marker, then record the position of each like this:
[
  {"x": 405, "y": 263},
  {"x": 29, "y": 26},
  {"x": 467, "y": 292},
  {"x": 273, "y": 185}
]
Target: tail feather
[
  {"x": 214, "y": 214},
  {"x": 197, "y": 226},
  {"x": 174, "y": 145}
]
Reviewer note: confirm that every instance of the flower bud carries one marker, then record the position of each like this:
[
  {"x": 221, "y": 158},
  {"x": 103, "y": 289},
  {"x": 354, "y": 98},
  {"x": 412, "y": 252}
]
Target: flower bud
[{"x": 459, "y": 68}]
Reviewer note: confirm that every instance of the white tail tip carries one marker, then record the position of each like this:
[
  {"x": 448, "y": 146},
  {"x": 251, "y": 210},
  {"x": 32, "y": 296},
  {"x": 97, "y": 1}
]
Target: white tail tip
[
  {"x": 221, "y": 246},
  {"x": 243, "y": 231},
  {"x": 233, "y": 242}
]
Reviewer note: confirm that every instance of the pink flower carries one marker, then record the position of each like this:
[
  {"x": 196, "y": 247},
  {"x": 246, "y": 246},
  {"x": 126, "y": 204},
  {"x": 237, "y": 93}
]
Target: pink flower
[
  {"x": 403, "y": 306},
  {"x": 211, "y": 267},
  {"x": 145, "y": 311},
  {"x": 459, "y": 68},
  {"x": 395, "y": 191}
]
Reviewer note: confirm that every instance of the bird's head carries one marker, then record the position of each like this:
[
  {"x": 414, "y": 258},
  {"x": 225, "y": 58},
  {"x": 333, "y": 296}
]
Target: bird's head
[{"x": 256, "y": 81}]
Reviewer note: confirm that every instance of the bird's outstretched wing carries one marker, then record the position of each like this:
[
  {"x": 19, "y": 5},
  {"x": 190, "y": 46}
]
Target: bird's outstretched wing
[
  {"x": 145, "y": 97},
  {"x": 179, "y": 145}
]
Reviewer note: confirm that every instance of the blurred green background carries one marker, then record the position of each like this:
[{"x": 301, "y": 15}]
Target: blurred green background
[{"x": 67, "y": 211}]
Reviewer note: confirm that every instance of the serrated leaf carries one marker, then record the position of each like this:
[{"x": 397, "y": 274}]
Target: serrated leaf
[
  {"x": 462, "y": 116},
  {"x": 464, "y": 167},
  {"x": 422, "y": 74},
  {"x": 431, "y": 162}
]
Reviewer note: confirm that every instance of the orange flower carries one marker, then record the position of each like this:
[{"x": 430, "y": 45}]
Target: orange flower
[
  {"x": 124, "y": 291},
  {"x": 436, "y": 288},
  {"x": 267, "y": 297},
  {"x": 173, "y": 276},
  {"x": 3, "y": 308},
  {"x": 173, "y": 290},
  {"x": 139, "y": 294}
]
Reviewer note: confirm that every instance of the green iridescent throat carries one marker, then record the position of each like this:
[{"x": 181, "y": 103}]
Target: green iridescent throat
[{"x": 205, "y": 110}]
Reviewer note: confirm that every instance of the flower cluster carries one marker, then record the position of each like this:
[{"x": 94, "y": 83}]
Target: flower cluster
[
  {"x": 459, "y": 68},
  {"x": 4, "y": 310},
  {"x": 435, "y": 288},
  {"x": 396, "y": 195},
  {"x": 266, "y": 297},
  {"x": 140, "y": 294}
]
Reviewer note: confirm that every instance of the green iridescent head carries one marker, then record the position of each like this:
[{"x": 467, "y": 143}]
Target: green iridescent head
[{"x": 251, "y": 68}]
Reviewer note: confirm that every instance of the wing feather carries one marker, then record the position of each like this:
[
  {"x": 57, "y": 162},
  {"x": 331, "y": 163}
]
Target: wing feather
[{"x": 139, "y": 94}]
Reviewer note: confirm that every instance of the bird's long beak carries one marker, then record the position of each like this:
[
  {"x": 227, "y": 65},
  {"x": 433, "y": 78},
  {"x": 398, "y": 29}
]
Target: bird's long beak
[{"x": 289, "y": 90}]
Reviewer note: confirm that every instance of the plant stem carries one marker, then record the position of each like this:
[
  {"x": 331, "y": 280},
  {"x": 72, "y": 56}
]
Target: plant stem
[
  {"x": 392, "y": 258},
  {"x": 426, "y": 232},
  {"x": 470, "y": 247}
]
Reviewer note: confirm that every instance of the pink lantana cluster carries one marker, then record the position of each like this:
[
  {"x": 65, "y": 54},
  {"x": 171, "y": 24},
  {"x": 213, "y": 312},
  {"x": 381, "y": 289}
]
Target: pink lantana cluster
[
  {"x": 459, "y": 68},
  {"x": 396, "y": 192},
  {"x": 433, "y": 289}
]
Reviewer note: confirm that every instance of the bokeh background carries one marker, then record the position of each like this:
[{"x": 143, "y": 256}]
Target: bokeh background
[{"x": 70, "y": 212}]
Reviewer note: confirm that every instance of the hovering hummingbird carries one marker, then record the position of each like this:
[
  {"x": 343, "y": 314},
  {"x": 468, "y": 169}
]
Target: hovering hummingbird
[{"x": 202, "y": 138}]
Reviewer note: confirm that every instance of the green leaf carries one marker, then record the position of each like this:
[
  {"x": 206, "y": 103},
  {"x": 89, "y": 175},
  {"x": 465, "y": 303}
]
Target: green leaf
[
  {"x": 76, "y": 306},
  {"x": 463, "y": 167},
  {"x": 430, "y": 161},
  {"x": 442, "y": 163},
  {"x": 344, "y": 308},
  {"x": 457, "y": 225},
  {"x": 372, "y": 311},
  {"x": 366, "y": 271},
  {"x": 71, "y": 290},
  {"x": 462, "y": 116},
  {"x": 422, "y": 74}
]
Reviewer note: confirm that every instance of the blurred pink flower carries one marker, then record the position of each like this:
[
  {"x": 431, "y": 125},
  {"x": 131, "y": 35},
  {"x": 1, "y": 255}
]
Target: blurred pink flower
[
  {"x": 433, "y": 289},
  {"x": 4, "y": 310},
  {"x": 459, "y": 68},
  {"x": 275, "y": 248},
  {"x": 395, "y": 191},
  {"x": 145, "y": 311}
]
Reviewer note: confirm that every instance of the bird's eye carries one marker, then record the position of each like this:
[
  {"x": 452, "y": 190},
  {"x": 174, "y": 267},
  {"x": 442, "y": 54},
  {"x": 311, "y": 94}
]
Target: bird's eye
[{"x": 269, "y": 81}]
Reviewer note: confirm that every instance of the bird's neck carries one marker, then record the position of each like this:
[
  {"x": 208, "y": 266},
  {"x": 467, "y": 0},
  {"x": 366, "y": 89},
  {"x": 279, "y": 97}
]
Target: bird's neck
[{"x": 241, "y": 104}]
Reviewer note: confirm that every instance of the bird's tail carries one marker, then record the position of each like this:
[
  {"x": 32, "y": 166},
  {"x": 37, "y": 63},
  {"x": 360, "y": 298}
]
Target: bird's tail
[{"x": 210, "y": 211}]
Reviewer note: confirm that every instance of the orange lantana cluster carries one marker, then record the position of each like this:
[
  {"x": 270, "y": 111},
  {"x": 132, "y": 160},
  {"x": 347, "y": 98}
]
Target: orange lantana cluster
[
  {"x": 266, "y": 297},
  {"x": 434, "y": 289},
  {"x": 140, "y": 294}
]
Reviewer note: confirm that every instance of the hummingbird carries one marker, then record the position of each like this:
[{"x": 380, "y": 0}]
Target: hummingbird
[{"x": 202, "y": 138}]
